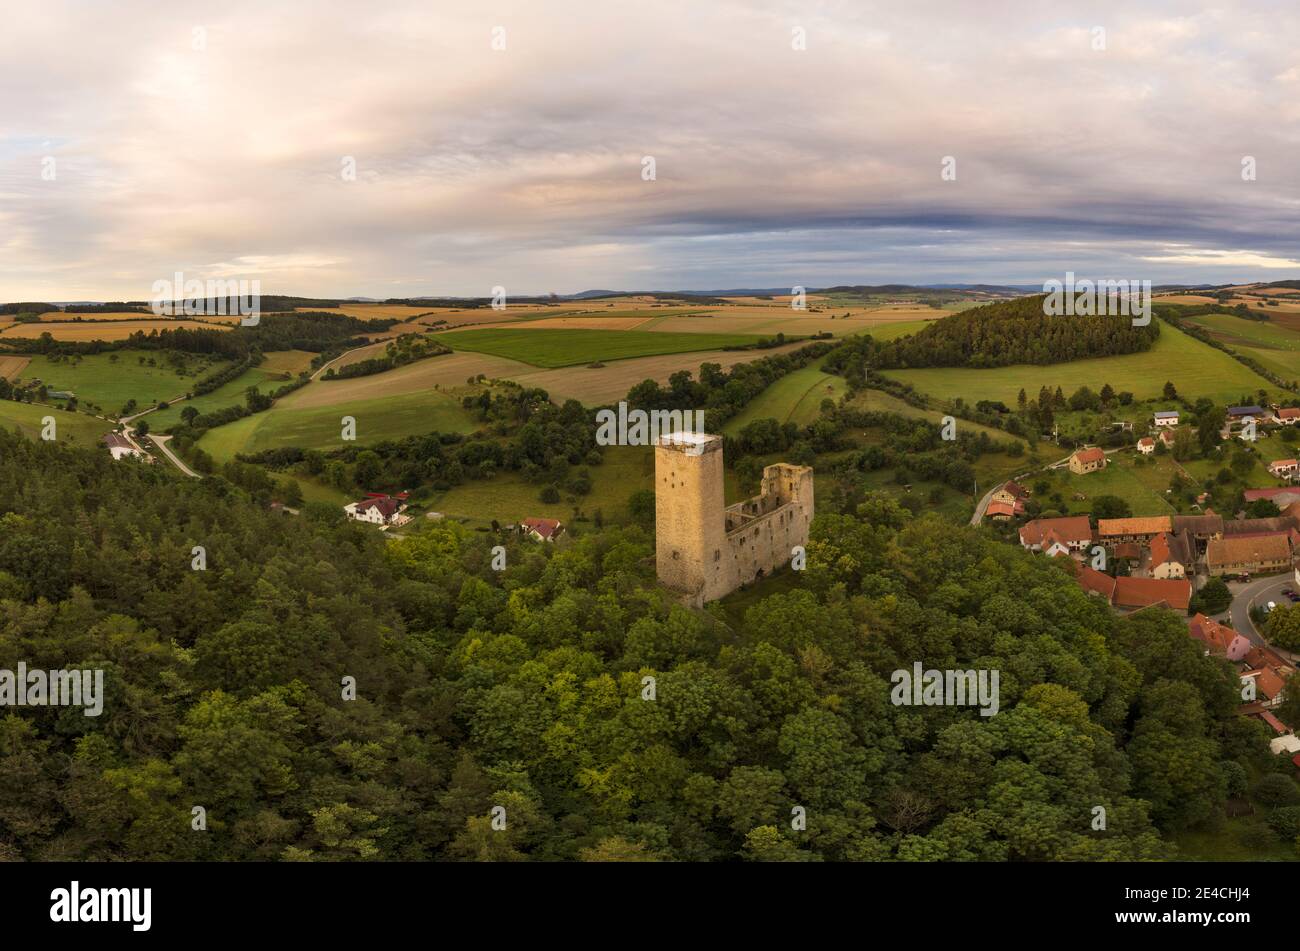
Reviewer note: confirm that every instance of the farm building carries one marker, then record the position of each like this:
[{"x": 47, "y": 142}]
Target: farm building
[
  {"x": 1248, "y": 553},
  {"x": 1166, "y": 418},
  {"x": 120, "y": 446},
  {"x": 1087, "y": 460},
  {"x": 1069, "y": 534}
]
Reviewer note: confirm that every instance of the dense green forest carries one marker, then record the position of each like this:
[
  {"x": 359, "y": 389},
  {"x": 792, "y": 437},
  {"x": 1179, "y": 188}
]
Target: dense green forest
[
  {"x": 526, "y": 689},
  {"x": 1014, "y": 331}
]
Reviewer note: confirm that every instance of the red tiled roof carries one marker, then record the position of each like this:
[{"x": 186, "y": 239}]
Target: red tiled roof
[
  {"x": 1289, "y": 412},
  {"x": 1092, "y": 454},
  {"x": 545, "y": 527},
  {"x": 1144, "y": 592},
  {"x": 1218, "y": 638},
  {"x": 386, "y": 506},
  {"x": 1143, "y": 525},
  {"x": 1278, "y": 726},
  {"x": 1094, "y": 582},
  {"x": 1268, "y": 683},
  {"x": 1072, "y": 528},
  {"x": 1015, "y": 489},
  {"x": 1265, "y": 657},
  {"x": 1000, "y": 508}
]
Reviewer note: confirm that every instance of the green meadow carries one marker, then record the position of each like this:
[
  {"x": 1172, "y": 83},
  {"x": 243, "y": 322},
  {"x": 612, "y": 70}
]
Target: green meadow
[
  {"x": 1193, "y": 367},
  {"x": 229, "y": 394},
  {"x": 562, "y": 347},
  {"x": 507, "y": 497},
  {"x": 795, "y": 397},
  {"x": 111, "y": 379},
  {"x": 77, "y": 428},
  {"x": 1276, "y": 348},
  {"x": 320, "y": 427}
]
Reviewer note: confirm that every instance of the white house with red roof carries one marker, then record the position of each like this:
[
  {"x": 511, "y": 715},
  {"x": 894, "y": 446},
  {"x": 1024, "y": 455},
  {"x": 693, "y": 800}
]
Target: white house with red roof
[
  {"x": 1283, "y": 468},
  {"x": 379, "y": 509},
  {"x": 542, "y": 529}
]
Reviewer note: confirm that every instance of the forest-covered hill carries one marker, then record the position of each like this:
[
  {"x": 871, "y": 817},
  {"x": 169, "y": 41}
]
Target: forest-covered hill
[
  {"x": 526, "y": 689},
  {"x": 1015, "y": 331}
]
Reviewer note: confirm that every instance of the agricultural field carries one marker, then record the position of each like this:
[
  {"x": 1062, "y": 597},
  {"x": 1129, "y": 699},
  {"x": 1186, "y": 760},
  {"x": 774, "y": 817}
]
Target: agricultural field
[
  {"x": 446, "y": 372},
  {"x": 108, "y": 329},
  {"x": 110, "y": 379},
  {"x": 1274, "y": 345},
  {"x": 12, "y": 367},
  {"x": 229, "y": 394},
  {"x": 291, "y": 362},
  {"x": 568, "y": 347},
  {"x": 320, "y": 427},
  {"x": 508, "y": 498},
  {"x": 595, "y": 386},
  {"x": 1194, "y": 368},
  {"x": 795, "y": 397},
  {"x": 78, "y": 429}
]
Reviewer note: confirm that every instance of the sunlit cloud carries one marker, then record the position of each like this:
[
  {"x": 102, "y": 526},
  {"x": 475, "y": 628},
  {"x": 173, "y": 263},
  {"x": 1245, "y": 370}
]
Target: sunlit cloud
[{"x": 472, "y": 167}]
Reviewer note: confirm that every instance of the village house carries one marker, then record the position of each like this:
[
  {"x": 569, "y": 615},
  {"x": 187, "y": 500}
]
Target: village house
[
  {"x": 1051, "y": 536},
  {"x": 1281, "y": 496},
  {"x": 1111, "y": 530},
  {"x": 1010, "y": 493},
  {"x": 1283, "y": 468},
  {"x": 1166, "y": 418},
  {"x": 1087, "y": 460},
  {"x": 542, "y": 529},
  {"x": 379, "y": 509},
  {"x": 1146, "y": 445},
  {"x": 1167, "y": 437},
  {"x": 1219, "y": 639},
  {"x": 119, "y": 446},
  {"x": 1201, "y": 527},
  {"x": 1240, "y": 414},
  {"x": 1286, "y": 415},
  {"x": 1251, "y": 554},
  {"x": 1000, "y": 511},
  {"x": 1269, "y": 684},
  {"x": 1172, "y": 555},
  {"x": 1132, "y": 594}
]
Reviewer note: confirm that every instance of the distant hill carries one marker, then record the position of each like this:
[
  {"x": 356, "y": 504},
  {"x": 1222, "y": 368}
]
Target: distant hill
[{"x": 1014, "y": 331}]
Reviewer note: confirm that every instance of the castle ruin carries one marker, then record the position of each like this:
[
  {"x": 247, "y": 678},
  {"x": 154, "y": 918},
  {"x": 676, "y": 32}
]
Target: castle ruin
[{"x": 705, "y": 549}]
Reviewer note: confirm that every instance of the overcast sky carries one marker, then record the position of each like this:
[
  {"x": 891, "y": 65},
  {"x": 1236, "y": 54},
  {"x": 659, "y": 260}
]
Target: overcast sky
[{"x": 141, "y": 139}]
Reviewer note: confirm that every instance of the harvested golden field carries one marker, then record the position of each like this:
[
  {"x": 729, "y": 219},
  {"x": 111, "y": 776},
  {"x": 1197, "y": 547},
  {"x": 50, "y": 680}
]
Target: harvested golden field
[
  {"x": 11, "y": 368},
  {"x": 611, "y": 382},
  {"x": 108, "y": 330},
  {"x": 445, "y": 372},
  {"x": 292, "y": 362},
  {"x": 594, "y": 322}
]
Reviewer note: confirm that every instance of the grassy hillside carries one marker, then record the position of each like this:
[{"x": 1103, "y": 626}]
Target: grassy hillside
[
  {"x": 795, "y": 397},
  {"x": 1194, "y": 368},
  {"x": 110, "y": 379},
  {"x": 77, "y": 428},
  {"x": 321, "y": 427},
  {"x": 1277, "y": 348}
]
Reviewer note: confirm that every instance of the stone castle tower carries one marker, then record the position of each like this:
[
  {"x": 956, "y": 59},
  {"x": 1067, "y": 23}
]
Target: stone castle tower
[{"x": 705, "y": 549}]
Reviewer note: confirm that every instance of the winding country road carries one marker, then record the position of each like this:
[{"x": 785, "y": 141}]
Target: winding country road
[{"x": 161, "y": 443}]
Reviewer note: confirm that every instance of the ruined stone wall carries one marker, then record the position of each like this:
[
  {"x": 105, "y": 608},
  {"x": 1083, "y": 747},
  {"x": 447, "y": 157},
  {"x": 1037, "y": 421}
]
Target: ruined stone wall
[{"x": 705, "y": 550}]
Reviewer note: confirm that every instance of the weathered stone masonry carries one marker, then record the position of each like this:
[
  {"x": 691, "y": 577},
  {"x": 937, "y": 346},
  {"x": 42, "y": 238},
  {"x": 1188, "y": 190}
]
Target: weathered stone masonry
[{"x": 705, "y": 549}]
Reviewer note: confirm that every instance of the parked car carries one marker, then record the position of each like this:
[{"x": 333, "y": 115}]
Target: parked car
[{"x": 1270, "y": 606}]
